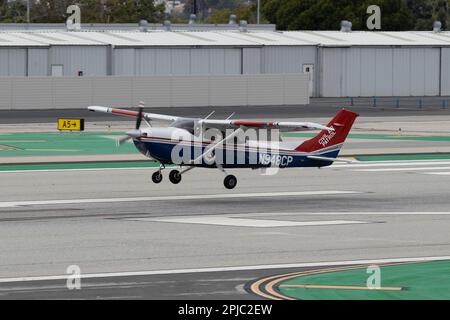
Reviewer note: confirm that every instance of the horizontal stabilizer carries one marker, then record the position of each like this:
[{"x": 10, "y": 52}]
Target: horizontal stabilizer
[{"x": 330, "y": 159}]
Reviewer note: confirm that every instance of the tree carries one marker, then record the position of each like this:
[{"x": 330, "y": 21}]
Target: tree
[
  {"x": 206, "y": 7},
  {"x": 54, "y": 11},
  {"x": 427, "y": 11},
  {"x": 49, "y": 11},
  {"x": 327, "y": 14},
  {"x": 243, "y": 12},
  {"x": 14, "y": 12},
  {"x": 122, "y": 11}
]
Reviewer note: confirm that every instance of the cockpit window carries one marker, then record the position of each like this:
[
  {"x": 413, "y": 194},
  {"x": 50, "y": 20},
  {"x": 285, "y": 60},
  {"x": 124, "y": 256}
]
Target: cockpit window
[{"x": 184, "y": 124}]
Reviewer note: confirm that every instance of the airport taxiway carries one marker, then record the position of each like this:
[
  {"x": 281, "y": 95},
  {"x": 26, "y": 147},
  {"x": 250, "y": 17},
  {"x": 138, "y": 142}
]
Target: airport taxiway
[
  {"x": 118, "y": 221},
  {"x": 115, "y": 220}
]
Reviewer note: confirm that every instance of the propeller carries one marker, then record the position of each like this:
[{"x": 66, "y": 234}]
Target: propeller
[
  {"x": 139, "y": 117},
  {"x": 136, "y": 133}
]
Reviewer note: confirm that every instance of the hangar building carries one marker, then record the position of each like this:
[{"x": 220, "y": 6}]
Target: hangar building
[{"x": 340, "y": 64}]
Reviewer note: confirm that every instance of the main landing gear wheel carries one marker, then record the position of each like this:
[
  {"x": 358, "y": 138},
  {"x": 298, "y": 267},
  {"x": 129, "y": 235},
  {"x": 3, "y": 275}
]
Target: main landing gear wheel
[
  {"x": 175, "y": 176},
  {"x": 230, "y": 181},
  {"x": 157, "y": 177}
]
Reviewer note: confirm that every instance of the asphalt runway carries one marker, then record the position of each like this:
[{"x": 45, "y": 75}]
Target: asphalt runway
[
  {"x": 319, "y": 107},
  {"x": 118, "y": 221}
]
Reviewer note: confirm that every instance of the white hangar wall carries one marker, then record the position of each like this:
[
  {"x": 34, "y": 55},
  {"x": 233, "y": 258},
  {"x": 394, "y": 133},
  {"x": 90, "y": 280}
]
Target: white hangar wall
[
  {"x": 157, "y": 91},
  {"x": 445, "y": 71},
  {"x": 176, "y": 61},
  {"x": 183, "y": 61},
  {"x": 340, "y": 64},
  {"x": 287, "y": 59},
  {"x": 361, "y": 71},
  {"x": 92, "y": 60},
  {"x": 13, "y": 61}
]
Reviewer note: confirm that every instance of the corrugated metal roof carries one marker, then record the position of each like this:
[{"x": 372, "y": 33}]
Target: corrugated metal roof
[
  {"x": 223, "y": 38},
  {"x": 133, "y": 26},
  {"x": 366, "y": 38}
]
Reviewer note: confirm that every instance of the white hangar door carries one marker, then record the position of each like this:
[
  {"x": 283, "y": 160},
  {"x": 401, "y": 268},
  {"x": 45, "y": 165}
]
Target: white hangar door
[
  {"x": 380, "y": 71},
  {"x": 251, "y": 60},
  {"x": 445, "y": 72},
  {"x": 415, "y": 71}
]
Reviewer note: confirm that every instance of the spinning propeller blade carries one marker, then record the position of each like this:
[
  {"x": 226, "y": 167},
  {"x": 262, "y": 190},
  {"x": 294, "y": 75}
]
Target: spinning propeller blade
[
  {"x": 136, "y": 133},
  {"x": 139, "y": 118}
]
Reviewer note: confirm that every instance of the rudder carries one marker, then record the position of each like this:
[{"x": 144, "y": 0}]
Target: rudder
[{"x": 341, "y": 123}]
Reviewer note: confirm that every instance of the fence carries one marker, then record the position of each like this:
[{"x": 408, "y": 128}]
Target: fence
[
  {"x": 156, "y": 91},
  {"x": 404, "y": 103}
]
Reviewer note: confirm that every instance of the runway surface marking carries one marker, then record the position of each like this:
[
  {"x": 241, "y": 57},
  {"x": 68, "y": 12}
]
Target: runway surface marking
[
  {"x": 399, "y": 166},
  {"x": 12, "y": 204},
  {"x": 422, "y": 280},
  {"x": 402, "y": 169},
  {"x": 389, "y": 163},
  {"x": 316, "y": 286},
  {"x": 241, "y": 222},
  {"x": 267, "y": 287},
  {"x": 145, "y": 165},
  {"x": 76, "y": 170},
  {"x": 333, "y": 213},
  {"x": 224, "y": 269},
  {"x": 444, "y": 173}
]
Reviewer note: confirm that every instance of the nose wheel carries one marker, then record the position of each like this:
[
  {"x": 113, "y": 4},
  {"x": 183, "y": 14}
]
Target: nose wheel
[
  {"x": 230, "y": 182},
  {"x": 175, "y": 176},
  {"x": 157, "y": 177}
]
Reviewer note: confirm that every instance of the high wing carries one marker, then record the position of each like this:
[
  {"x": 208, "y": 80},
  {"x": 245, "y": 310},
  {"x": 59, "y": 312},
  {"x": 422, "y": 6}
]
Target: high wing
[
  {"x": 219, "y": 124},
  {"x": 281, "y": 126},
  {"x": 129, "y": 113}
]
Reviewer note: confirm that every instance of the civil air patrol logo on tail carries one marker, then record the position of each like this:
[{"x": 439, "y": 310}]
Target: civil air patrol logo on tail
[{"x": 326, "y": 138}]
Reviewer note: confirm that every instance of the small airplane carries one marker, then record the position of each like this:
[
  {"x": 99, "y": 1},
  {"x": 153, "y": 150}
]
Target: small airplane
[{"x": 188, "y": 142}]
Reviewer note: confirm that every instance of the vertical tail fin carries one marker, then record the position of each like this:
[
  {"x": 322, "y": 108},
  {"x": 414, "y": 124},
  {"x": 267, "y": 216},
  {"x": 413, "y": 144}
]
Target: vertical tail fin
[{"x": 341, "y": 123}]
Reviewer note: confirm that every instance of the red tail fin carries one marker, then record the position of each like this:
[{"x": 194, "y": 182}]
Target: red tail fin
[{"x": 342, "y": 123}]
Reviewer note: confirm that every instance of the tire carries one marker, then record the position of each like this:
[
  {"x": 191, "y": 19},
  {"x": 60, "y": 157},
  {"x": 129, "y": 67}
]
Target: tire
[
  {"x": 175, "y": 176},
  {"x": 230, "y": 182},
  {"x": 157, "y": 177}
]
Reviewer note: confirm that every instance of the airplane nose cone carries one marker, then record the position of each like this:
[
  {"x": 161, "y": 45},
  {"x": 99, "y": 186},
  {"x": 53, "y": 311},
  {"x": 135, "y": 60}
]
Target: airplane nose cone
[{"x": 134, "y": 133}]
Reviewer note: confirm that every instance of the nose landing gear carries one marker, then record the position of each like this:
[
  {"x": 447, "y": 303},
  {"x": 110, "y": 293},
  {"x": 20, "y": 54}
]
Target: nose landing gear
[{"x": 157, "y": 177}]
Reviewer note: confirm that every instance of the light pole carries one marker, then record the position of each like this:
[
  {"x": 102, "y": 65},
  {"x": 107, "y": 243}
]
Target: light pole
[
  {"x": 258, "y": 4},
  {"x": 28, "y": 11}
]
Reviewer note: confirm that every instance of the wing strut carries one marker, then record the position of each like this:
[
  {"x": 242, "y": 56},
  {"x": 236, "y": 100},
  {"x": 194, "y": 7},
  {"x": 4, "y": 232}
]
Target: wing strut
[{"x": 215, "y": 146}]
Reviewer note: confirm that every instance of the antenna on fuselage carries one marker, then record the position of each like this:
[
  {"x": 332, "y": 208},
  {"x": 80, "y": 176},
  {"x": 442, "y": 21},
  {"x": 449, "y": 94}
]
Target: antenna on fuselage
[
  {"x": 230, "y": 116},
  {"x": 209, "y": 115}
]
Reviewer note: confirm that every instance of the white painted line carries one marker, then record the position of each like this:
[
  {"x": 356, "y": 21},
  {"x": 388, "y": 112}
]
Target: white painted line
[
  {"x": 224, "y": 269},
  {"x": 355, "y": 165},
  {"x": 12, "y": 204},
  {"x": 402, "y": 169},
  {"x": 390, "y": 164},
  {"x": 76, "y": 170},
  {"x": 444, "y": 173},
  {"x": 240, "y": 222},
  {"x": 372, "y": 213}
]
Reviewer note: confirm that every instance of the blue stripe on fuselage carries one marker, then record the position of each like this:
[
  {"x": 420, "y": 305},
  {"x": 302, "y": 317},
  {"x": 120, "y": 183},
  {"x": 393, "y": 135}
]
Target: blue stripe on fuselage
[{"x": 251, "y": 158}]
